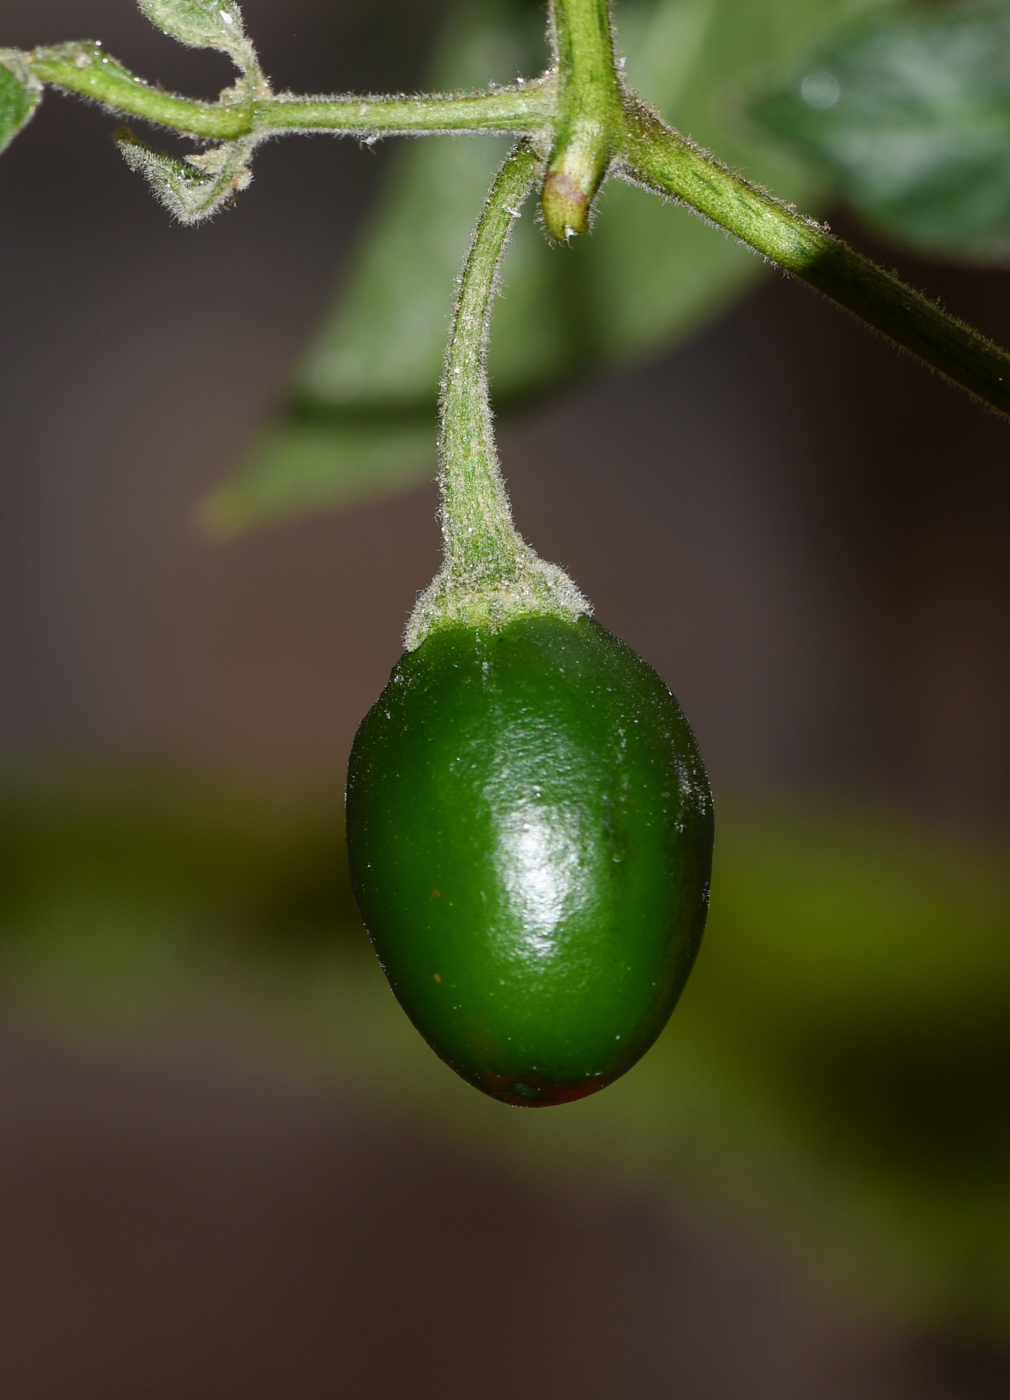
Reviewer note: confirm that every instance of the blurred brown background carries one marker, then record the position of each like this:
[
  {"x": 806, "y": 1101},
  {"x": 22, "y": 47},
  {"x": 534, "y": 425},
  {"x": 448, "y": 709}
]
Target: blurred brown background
[{"x": 802, "y": 531}]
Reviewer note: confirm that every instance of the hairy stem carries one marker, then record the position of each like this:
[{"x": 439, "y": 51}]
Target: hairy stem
[
  {"x": 490, "y": 575},
  {"x": 85, "y": 69},
  {"x": 590, "y": 115},
  {"x": 476, "y": 519},
  {"x": 659, "y": 158},
  {"x": 583, "y": 120}
]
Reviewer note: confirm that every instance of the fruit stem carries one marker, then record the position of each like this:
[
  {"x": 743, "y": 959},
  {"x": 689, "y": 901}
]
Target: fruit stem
[
  {"x": 489, "y": 575},
  {"x": 476, "y": 517}
]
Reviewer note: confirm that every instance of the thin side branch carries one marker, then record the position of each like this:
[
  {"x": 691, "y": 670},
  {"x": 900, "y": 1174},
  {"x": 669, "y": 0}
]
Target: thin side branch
[{"x": 86, "y": 70}]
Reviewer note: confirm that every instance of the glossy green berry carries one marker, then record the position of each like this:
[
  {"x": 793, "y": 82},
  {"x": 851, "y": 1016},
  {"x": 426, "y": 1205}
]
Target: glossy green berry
[{"x": 530, "y": 835}]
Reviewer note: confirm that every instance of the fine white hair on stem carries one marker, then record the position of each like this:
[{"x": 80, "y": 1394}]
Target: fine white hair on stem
[{"x": 490, "y": 575}]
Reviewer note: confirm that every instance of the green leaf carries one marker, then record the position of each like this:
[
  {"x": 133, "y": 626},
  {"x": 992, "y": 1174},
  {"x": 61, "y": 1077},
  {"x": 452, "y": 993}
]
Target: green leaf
[
  {"x": 313, "y": 459},
  {"x": 649, "y": 274},
  {"x": 20, "y": 94},
  {"x": 202, "y": 24},
  {"x": 911, "y": 115},
  {"x": 196, "y": 187}
]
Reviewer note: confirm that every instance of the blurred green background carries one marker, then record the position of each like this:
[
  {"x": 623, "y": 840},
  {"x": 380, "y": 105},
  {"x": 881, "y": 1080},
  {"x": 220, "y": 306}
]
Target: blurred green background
[
  {"x": 804, "y": 533},
  {"x": 839, "y": 1064}
]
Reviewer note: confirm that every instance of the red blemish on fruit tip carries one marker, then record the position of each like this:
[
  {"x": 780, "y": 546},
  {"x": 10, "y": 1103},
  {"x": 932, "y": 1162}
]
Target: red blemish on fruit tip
[
  {"x": 435, "y": 894},
  {"x": 437, "y": 978},
  {"x": 530, "y": 1092}
]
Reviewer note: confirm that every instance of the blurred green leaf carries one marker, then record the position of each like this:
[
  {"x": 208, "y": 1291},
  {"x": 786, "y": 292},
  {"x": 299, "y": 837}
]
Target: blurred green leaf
[
  {"x": 911, "y": 115},
  {"x": 837, "y": 1074},
  {"x": 19, "y": 96},
  {"x": 361, "y": 416},
  {"x": 119, "y": 890}
]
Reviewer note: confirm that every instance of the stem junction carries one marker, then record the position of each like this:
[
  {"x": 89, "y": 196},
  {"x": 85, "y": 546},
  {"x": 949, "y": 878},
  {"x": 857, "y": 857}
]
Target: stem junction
[{"x": 580, "y": 122}]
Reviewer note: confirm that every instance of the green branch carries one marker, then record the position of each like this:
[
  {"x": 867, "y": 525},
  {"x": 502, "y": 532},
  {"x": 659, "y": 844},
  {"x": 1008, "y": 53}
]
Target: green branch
[
  {"x": 663, "y": 161},
  {"x": 87, "y": 71},
  {"x": 526, "y": 110},
  {"x": 590, "y": 114},
  {"x": 581, "y": 120}
]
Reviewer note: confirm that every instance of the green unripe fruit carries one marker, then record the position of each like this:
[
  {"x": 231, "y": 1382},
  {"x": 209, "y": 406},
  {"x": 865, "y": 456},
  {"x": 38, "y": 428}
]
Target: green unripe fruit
[{"x": 530, "y": 834}]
